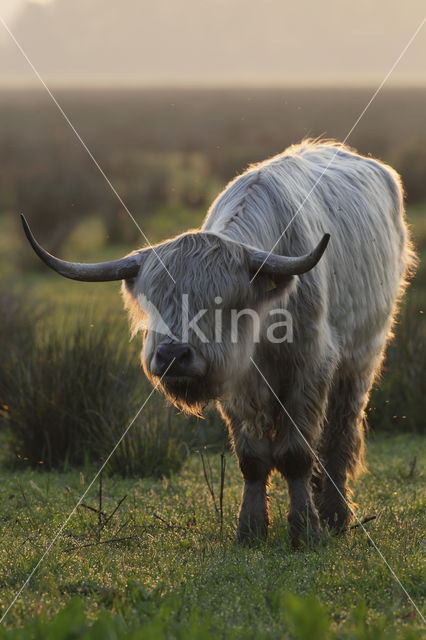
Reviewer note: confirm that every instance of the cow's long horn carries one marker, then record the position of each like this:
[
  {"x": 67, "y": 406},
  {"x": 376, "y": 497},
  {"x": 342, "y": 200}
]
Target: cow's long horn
[
  {"x": 99, "y": 272},
  {"x": 281, "y": 266}
]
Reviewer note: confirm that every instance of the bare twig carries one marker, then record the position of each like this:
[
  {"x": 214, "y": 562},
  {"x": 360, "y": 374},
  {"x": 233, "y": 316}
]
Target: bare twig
[
  {"x": 364, "y": 521},
  {"x": 169, "y": 525},
  {"x": 123, "y": 525},
  {"x": 95, "y": 544},
  {"x": 155, "y": 515},
  {"x": 27, "y": 504},
  {"x": 28, "y": 539},
  {"x": 87, "y": 506},
  {"x": 100, "y": 505},
  {"x": 222, "y": 485},
  {"x": 208, "y": 480},
  {"x": 113, "y": 512},
  {"x": 412, "y": 469}
]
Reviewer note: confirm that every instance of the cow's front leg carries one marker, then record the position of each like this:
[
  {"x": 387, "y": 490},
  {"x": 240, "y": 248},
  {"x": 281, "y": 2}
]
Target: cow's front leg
[
  {"x": 255, "y": 463},
  {"x": 296, "y": 467}
]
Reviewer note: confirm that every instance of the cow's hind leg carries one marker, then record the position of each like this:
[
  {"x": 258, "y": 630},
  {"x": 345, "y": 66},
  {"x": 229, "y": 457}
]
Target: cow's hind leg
[{"x": 342, "y": 448}]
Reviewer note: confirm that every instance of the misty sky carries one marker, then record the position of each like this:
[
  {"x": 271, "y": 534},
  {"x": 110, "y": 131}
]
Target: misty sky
[{"x": 214, "y": 41}]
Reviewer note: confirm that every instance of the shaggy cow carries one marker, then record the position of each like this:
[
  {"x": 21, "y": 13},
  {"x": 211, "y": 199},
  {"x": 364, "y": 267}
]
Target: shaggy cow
[{"x": 288, "y": 400}]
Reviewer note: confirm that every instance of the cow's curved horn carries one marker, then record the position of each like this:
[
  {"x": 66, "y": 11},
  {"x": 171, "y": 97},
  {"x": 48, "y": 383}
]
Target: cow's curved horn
[
  {"x": 281, "y": 266},
  {"x": 100, "y": 272}
]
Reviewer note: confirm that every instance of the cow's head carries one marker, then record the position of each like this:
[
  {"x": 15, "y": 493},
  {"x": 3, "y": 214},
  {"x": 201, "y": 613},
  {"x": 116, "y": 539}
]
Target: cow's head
[{"x": 197, "y": 300}]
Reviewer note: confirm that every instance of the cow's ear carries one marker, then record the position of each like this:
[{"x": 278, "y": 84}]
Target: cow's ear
[{"x": 271, "y": 287}]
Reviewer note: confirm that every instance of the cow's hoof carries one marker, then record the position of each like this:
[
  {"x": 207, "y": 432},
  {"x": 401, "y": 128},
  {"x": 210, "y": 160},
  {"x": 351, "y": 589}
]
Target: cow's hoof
[
  {"x": 251, "y": 532},
  {"x": 336, "y": 516},
  {"x": 304, "y": 532}
]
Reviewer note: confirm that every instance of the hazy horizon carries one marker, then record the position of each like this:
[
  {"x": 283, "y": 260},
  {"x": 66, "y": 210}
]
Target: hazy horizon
[{"x": 212, "y": 43}]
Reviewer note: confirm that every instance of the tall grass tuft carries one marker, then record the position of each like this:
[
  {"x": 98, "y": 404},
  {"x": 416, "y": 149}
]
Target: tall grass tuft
[
  {"x": 17, "y": 334},
  {"x": 70, "y": 393},
  {"x": 398, "y": 400}
]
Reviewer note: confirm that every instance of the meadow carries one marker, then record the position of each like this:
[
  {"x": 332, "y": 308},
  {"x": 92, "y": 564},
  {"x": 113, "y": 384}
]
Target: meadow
[
  {"x": 163, "y": 566},
  {"x": 151, "y": 552}
]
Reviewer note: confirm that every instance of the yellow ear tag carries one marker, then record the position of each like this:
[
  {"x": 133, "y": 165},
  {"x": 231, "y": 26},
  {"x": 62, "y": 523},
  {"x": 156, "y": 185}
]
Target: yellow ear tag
[{"x": 270, "y": 286}]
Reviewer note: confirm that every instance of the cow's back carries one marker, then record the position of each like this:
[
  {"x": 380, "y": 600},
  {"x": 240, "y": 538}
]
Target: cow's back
[{"x": 286, "y": 203}]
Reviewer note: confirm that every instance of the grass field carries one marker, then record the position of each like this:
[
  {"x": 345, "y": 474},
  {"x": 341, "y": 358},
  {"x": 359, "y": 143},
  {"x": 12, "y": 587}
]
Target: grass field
[
  {"x": 171, "y": 571},
  {"x": 152, "y": 555},
  {"x": 163, "y": 567}
]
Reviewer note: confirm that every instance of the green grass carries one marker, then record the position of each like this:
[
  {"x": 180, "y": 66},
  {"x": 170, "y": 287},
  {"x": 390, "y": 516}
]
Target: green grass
[
  {"x": 175, "y": 574},
  {"x": 162, "y": 566}
]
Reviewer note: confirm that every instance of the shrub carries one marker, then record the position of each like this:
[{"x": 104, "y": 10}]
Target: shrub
[
  {"x": 398, "y": 401},
  {"x": 412, "y": 166},
  {"x": 17, "y": 333},
  {"x": 73, "y": 393}
]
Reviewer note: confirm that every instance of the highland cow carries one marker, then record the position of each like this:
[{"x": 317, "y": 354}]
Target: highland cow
[{"x": 292, "y": 405}]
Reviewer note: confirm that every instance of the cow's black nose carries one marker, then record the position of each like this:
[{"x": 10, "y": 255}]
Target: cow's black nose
[{"x": 172, "y": 359}]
